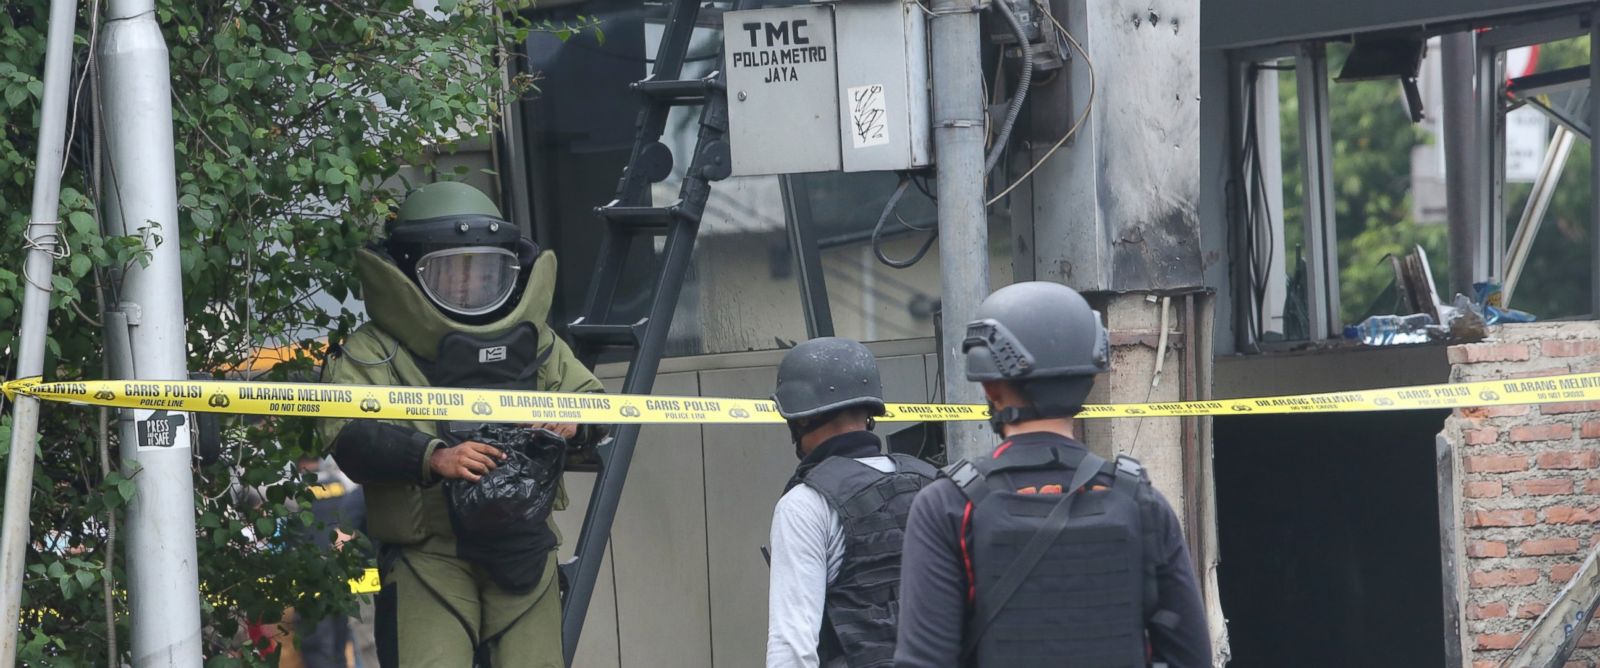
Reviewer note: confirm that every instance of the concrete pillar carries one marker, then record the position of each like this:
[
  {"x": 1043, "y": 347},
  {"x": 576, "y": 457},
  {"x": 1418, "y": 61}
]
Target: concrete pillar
[{"x": 1134, "y": 321}]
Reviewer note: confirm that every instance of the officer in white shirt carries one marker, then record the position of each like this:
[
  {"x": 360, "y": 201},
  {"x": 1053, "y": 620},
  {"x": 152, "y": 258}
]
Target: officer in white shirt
[{"x": 837, "y": 531}]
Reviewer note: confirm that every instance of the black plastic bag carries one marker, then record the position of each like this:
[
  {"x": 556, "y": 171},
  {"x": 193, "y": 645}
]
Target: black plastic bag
[
  {"x": 501, "y": 521},
  {"x": 519, "y": 492}
]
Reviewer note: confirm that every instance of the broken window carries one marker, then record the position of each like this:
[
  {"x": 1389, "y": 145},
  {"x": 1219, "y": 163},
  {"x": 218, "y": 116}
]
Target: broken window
[
  {"x": 1340, "y": 184},
  {"x": 1548, "y": 193}
]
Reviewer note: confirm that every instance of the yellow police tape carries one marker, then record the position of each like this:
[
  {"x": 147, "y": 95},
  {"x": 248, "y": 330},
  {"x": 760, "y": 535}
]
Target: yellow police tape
[
  {"x": 366, "y": 584},
  {"x": 410, "y": 403}
]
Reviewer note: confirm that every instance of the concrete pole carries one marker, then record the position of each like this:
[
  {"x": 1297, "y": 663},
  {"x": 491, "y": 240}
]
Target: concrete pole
[
  {"x": 141, "y": 199},
  {"x": 1458, "y": 70},
  {"x": 958, "y": 136},
  {"x": 43, "y": 225}
]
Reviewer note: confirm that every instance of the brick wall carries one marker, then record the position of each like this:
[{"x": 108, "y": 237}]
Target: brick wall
[{"x": 1528, "y": 487}]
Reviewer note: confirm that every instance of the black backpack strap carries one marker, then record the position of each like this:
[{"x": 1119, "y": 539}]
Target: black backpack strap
[
  {"x": 908, "y": 464},
  {"x": 992, "y": 601},
  {"x": 1131, "y": 479},
  {"x": 969, "y": 477}
]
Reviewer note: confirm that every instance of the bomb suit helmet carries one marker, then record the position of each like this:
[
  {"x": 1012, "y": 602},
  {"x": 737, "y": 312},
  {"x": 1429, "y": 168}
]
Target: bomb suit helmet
[{"x": 451, "y": 240}]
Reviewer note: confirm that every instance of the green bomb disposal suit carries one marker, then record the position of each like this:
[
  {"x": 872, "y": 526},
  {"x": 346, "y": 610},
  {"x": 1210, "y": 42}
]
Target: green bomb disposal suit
[{"x": 438, "y": 608}]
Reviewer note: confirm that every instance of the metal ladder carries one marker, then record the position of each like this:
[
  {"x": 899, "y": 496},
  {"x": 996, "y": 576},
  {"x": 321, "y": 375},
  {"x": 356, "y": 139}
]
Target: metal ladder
[{"x": 632, "y": 217}]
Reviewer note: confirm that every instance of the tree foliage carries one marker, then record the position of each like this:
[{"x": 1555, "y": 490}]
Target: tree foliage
[
  {"x": 291, "y": 120},
  {"x": 1372, "y": 137}
]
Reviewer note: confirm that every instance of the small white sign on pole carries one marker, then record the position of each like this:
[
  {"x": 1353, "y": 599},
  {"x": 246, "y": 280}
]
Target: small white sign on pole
[
  {"x": 1527, "y": 133},
  {"x": 1527, "y": 130}
]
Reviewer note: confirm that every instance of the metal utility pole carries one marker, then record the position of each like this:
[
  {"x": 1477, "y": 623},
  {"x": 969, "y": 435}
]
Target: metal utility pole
[
  {"x": 963, "y": 220},
  {"x": 43, "y": 226},
  {"x": 1457, "y": 71},
  {"x": 142, "y": 199}
]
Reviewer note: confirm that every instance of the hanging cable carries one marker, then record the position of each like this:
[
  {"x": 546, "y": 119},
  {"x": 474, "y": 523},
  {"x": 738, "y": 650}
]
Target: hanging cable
[
  {"x": 877, "y": 230},
  {"x": 1076, "y": 125},
  {"x": 1024, "y": 80},
  {"x": 1257, "y": 215},
  {"x": 921, "y": 183}
]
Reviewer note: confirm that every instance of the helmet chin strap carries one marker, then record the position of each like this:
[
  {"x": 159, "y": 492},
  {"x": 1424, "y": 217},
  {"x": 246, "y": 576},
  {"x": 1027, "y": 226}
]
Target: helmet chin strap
[{"x": 1014, "y": 414}]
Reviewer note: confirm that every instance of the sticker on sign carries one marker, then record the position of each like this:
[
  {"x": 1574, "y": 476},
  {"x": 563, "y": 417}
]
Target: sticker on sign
[
  {"x": 162, "y": 430},
  {"x": 869, "y": 116}
]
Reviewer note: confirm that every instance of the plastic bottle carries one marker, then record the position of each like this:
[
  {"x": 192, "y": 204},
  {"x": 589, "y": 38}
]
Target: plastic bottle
[{"x": 1388, "y": 330}]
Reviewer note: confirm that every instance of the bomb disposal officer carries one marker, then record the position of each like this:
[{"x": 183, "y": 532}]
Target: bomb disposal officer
[
  {"x": 1043, "y": 553},
  {"x": 457, "y": 298},
  {"x": 836, "y": 532}
]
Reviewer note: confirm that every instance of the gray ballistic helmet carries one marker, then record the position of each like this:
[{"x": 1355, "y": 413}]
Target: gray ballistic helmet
[
  {"x": 827, "y": 374},
  {"x": 1042, "y": 336}
]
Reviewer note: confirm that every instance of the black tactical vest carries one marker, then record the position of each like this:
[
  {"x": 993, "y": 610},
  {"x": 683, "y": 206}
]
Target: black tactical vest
[
  {"x": 1087, "y": 598},
  {"x": 862, "y": 611},
  {"x": 510, "y": 361}
]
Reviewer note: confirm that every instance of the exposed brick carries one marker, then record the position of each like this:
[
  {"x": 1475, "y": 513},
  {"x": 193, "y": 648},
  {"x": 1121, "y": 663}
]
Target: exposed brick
[
  {"x": 1516, "y": 517},
  {"x": 1481, "y": 436},
  {"x": 1589, "y": 640},
  {"x": 1577, "y": 664},
  {"x": 1570, "y": 407},
  {"x": 1570, "y": 515},
  {"x": 1489, "y": 611},
  {"x": 1591, "y": 486},
  {"x": 1495, "y": 463},
  {"x": 1569, "y": 348},
  {"x": 1569, "y": 459},
  {"x": 1542, "y": 486},
  {"x": 1530, "y": 610},
  {"x": 1496, "y": 640},
  {"x": 1485, "y": 664},
  {"x": 1591, "y": 429},
  {"x": 1541, "y": 432},
  {"x": 1548, "y": 546},
  {"x": 1505, "y": 577},
  {"x": 1486, "y": 549},
  {"x": 1561, "y": 573},
  {"x": 1485, "y": 489},
  {"x": 1474, "y": 353}
]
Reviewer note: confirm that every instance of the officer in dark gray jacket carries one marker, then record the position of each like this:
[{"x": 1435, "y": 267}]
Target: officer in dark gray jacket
[
  {"x": 1042, "y": 553},
  {"x": 836, "y": 532}
]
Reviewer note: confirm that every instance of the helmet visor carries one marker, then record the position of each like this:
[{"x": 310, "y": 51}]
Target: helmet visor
[{"x": 469, "y": 281}]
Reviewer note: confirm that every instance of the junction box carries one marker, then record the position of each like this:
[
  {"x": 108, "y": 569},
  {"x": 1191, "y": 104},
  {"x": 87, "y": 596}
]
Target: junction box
[{"x": 828, "y": 86}]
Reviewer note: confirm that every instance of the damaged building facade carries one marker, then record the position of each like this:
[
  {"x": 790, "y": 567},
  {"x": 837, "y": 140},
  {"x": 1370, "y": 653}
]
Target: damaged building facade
[
  {"x": 1212, "y": 205},
  {"x": 1419, "y": 537}
]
